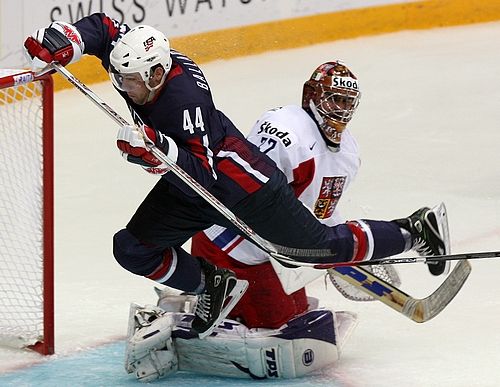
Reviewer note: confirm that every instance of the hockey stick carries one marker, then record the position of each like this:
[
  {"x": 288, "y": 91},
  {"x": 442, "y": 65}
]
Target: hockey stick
[
  {"x": 418, "y": 310},
  {"x": 389, "y": 295}
]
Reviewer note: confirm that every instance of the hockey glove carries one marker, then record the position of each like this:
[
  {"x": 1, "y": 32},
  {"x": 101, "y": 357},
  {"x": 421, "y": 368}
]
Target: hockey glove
[
  {"x": 133, "y": 143},
  {"x": 59, "y": 42}
]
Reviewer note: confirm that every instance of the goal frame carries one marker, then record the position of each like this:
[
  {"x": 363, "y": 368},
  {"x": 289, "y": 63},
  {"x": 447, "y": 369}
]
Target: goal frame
[{"x": 46, "y": 346}]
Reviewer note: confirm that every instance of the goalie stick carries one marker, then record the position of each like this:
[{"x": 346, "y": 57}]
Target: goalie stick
[{"x": 417, "y": 310}]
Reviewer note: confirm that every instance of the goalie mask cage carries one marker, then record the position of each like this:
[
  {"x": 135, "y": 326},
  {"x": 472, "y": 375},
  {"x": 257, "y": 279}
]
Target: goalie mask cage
[{"x": 26, "y": 211}]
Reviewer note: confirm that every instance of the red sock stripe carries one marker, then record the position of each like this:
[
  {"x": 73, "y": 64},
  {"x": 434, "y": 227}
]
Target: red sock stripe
[
  {"x": 360, "y": 241},
  {"x": 162, "y": 269}
]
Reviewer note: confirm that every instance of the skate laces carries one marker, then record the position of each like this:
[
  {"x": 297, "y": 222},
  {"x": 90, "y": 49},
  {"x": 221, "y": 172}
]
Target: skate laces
[
  {"x": 428, "y": 239},
  {"x": 203, "y": 306}
]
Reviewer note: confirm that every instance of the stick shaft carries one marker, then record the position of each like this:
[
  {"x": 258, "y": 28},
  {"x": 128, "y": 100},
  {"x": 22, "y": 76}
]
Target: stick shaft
[{"x": 435, "y": 258}]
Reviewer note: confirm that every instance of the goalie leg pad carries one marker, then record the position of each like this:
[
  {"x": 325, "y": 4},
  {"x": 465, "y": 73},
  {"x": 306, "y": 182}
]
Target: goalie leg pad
[
  {"x": 171, "y": 301},
  {"x": 307, "y": 343}
]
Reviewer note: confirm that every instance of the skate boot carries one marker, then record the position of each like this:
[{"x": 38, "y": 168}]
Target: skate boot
[
  {"x": 429, "y": 233},
  {"x": 222, "y": 292}
]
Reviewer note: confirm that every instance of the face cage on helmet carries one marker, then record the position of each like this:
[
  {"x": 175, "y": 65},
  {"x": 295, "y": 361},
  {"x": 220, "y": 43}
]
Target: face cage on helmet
[{"x": 338, "y": 104}]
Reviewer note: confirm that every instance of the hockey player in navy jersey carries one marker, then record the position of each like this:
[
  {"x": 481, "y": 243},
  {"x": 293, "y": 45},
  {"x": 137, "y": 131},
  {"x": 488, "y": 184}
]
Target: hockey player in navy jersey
[{"x": 172, "y": 107}]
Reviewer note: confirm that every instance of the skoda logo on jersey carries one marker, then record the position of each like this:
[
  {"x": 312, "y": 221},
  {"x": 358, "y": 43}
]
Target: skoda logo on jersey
[
  {"x": 308, "y": 357},
  {"x": 149, "y": 43},
  {"x": 268, "y": 128},
  {"x": 345, "y": 82}
]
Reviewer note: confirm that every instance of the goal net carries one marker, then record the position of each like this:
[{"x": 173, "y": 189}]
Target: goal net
[{"x": 26, "y": 211}]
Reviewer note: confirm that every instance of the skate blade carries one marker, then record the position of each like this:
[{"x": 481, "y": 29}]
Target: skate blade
[{"x": 232, "y": 299}]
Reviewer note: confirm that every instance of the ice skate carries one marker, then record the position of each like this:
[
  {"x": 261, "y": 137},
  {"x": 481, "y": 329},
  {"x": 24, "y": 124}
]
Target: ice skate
[
  {"x": 430, "y": 236},
  {"x": 222, "y": 291}
]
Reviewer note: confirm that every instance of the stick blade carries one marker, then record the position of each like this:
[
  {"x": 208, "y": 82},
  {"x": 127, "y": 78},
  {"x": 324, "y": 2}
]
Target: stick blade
[{"x": 427, "y": 308}]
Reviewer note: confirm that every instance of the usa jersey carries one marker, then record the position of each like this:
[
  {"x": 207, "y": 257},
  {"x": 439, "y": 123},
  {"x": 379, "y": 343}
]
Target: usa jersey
[
  {"x": 211, "y": 149},
  {"x": 318, "y": 176}
]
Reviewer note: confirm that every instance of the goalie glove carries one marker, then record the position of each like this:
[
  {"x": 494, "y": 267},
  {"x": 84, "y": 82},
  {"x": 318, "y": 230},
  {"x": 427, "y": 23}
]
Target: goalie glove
[
  {"x": 59, "y": 42},
  {"x": 134, "y": 144}
]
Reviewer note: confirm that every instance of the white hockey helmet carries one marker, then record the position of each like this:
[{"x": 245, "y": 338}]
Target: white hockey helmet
[
  {"x": 139, "y": 51},
  {"x": 332, "y": 96}
]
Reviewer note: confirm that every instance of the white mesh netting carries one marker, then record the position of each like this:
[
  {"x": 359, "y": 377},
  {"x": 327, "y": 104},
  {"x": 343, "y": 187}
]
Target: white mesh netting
[{"x": 21, "y": 237}]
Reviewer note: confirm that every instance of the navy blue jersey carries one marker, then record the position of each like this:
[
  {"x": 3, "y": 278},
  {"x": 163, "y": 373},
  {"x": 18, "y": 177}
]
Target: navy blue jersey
[{"x": 211, "y": 148}]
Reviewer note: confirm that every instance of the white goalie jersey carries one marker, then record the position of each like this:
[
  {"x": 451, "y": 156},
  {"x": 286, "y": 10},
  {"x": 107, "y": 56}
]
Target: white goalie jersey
[{"x": 318, "y": 175}]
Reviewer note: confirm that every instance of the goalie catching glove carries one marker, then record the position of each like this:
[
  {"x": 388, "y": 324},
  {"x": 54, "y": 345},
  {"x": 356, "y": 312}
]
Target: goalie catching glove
[
  {"x": 135, "y": 143},
  {"x": 60, "y": 42}
]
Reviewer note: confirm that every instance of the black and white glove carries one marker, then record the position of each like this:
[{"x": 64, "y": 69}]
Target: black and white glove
[
  {"x": 60, "y": 42},
  {"x": 134, "y": 144}
]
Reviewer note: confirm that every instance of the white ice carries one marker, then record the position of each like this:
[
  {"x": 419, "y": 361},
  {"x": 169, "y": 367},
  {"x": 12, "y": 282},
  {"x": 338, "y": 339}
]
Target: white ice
[{"x": 429, "y": 131}]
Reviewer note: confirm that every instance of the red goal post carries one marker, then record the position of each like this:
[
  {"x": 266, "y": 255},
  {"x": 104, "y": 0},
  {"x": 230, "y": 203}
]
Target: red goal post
[{"x": 26, "y": 211}]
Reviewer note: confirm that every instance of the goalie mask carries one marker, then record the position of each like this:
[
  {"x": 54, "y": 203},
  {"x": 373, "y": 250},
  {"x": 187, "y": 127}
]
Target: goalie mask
[
  {"x": 137, "y": 55},
  {"x": 331, "y": 95}
]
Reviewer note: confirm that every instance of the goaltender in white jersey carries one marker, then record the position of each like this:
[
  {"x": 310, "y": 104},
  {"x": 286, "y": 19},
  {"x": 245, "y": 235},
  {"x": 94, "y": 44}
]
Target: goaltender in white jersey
[{"x": 274, "y": 331}]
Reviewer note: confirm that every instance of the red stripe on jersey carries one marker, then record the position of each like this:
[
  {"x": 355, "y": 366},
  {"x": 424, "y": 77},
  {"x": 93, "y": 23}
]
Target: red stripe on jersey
[
  {"x": 162, "y": 269},
  {"x": 360, "y": 241},
  {"x": 199, "y": 150},
  {"x": 236, "y": 243},
  {"x": 229, "y": 168},
  {"x": 174, "y": 71},
  {"x": 112, "y": 28},
  {"x": 303, "y": 176},
  {"x": 250, "y": 155}
]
